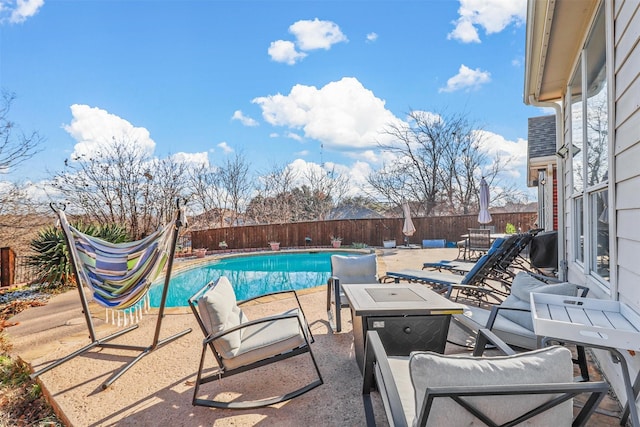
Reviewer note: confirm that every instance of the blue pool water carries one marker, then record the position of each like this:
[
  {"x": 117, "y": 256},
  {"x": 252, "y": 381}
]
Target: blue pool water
[{"x": 250, "y": 275}]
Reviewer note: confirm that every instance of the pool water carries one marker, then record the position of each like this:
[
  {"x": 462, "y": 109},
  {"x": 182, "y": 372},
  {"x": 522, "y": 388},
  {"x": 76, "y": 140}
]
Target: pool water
[{"x": 250, "y": 276}]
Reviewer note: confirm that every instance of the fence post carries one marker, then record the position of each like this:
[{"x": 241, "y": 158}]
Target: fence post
[{"x": 7, "y": 266}]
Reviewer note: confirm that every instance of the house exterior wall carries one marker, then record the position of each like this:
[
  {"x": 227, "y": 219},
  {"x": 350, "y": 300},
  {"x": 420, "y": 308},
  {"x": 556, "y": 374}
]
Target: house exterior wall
[{"x": 623, "y": 45}]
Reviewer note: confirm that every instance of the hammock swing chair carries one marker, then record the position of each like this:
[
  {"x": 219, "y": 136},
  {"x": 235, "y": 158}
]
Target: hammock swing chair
[{"x": 119, "y": 275}]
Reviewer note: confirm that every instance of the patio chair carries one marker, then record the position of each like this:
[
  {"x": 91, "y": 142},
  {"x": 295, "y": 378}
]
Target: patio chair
[
  {"x": 240, "y": 345},
  {"x": 473, "y": 284},
  {"x": 509, "y": 262},
  {"x": 432, "y": 389},
  {"x": 120, "y": 275},
  {"x": 347, "y": 270},
  {"x": 512, "y": 321},
  {"x": 499, "y": 248},
  {"x": 479, "y": 241}
]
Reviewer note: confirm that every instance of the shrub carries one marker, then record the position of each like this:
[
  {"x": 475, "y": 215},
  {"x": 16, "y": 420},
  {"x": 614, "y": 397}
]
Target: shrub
[
  {"x": 510, "y": 228},
  {"x": 51, "y": 260}
]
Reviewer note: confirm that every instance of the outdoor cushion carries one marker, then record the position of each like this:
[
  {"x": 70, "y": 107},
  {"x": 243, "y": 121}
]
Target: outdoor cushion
[
  {"x": 522, "y": 287},
  {"x": 510, "y": 332},
  {"x": 264, "y": 340},
  {"x": 354, "y": 269},
  {"x": 546, "y": 365},
  {"x": 219, "y": 311}
]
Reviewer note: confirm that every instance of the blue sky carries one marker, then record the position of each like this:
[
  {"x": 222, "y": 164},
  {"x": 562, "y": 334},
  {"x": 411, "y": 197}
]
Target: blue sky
[{"x": 273, "y": 80}]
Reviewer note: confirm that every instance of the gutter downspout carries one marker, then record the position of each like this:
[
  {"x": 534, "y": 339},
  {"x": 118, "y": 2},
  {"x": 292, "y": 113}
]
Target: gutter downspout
[{"x": 560, "y": 166}]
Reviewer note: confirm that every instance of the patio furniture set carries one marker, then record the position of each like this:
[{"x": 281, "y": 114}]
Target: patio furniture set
[{"x": 399, "y": 331}]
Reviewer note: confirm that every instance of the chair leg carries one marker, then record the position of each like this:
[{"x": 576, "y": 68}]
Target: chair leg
[
  {"x": 582, "y": 364},
  {"x": 338, "y": 304},
  {"x": 335, "y": 320}
]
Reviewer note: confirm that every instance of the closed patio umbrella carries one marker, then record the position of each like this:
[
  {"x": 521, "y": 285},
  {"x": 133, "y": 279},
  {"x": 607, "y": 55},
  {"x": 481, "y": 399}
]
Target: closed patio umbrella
[
  {"x": 484, "y": 217},
  {"x": 408, "y": 228}
]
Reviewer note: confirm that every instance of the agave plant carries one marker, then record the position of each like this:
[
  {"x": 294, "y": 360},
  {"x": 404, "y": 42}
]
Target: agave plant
[{"x": 51, "y": 259}]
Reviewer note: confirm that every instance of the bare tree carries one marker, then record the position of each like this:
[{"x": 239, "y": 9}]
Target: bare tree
[
  {"x": 121, "y": 184},
  {"x": 272, "y": 203},
  {"x": 221, "y": 193},
  {"x": 439, "y": 163},
  {"x": 325, "y": 188},
  {"x": 19, "y": 217},
  {"x": 236, "y": 184},
  {"x": 15, "y": 146},
  {"x": 420, "y": 146}
]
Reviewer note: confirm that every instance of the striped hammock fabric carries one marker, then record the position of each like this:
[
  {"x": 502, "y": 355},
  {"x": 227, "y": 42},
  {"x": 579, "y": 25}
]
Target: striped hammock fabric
[{"x": 119, "y": 274}]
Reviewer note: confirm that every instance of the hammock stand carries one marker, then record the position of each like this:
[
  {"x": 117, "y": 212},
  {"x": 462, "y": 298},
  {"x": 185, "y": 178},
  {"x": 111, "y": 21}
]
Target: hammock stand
[{"x": 81, "y": 276}]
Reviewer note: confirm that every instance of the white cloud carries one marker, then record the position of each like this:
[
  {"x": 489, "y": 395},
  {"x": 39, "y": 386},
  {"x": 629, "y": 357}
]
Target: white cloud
[
  {"x": 93, "y": 127},
  {"x": 371, "y": 37},
  {"x": 18, "y": 11},
  {"x": 316, "y": 34},
  {"x": 285, "y": 51},
  {"x": 294, "y": 136},
  {"x": 247, "y": 121},
  {"x": 310, "y": 35},
  {"x": 491, "y": 15},
  {"x": 511, "y": 154},
  {"x": 343, "y": 114},
  {"x": 195, "y": 159},
  {"x": 466, "y": 79},
  {"x": 225, "y": 147}
]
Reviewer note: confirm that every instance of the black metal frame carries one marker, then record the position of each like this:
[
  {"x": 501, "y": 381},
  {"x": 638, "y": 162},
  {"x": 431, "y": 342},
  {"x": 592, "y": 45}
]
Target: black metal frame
[
  {"x": 377, "y": 370},
  {"x": 333, "y": 287},
  {"x": 104, "y": 342},
  {"x": 222, "y": 372}
]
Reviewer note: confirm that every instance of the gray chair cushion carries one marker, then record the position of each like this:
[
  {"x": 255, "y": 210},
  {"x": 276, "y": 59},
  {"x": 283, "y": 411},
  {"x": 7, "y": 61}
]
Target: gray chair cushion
[
  {"x": 510, "y": 332},
  {"x": 219, "y": 311},
  {"x": 265, "y": 340},
  {"x": 546, "y": 365},
  {"x": 521, "y": 288}
]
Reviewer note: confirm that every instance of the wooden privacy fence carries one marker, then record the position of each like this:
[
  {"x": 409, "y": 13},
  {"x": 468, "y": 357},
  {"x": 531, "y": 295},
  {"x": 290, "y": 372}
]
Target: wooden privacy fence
[{"x": 371, "y": 232}]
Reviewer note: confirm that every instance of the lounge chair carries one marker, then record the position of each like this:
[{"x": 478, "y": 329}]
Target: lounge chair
[
  {"x": 347, "y": 270},
  {"x": 239, "y": 344},
  {"x": 120, "y": 275},
  {"x": 431, "y": 389},
  {"x": 510, "y": 258},
  {"x": 473, "y": 284},
  {"x": 512, "y": 321}
]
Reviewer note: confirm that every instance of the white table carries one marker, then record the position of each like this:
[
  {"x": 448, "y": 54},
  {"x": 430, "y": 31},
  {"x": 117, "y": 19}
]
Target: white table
[{"x": 604, "y": 324}]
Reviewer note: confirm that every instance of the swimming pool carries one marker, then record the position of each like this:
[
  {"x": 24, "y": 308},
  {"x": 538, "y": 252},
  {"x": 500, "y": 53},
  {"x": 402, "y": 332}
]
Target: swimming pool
[{"x": 251, "y": 275}]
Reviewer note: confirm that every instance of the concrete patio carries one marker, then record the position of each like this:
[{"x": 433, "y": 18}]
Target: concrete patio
[{"x": 158, "y": 389}]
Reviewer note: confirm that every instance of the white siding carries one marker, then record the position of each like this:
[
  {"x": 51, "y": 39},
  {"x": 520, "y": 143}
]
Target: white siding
[{"x": 626, "y": 159}]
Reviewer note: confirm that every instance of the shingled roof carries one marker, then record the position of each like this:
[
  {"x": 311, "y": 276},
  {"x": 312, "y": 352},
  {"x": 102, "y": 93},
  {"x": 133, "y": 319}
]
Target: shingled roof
[{"x": 542, "y": 136}]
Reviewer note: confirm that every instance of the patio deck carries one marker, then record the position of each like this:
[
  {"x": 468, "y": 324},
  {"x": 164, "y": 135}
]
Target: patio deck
[{"x": 158, "y": 389}]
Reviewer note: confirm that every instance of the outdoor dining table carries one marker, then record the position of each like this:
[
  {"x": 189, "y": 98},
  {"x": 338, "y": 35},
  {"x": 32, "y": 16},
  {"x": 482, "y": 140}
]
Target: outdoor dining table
[{"x": 604, "y": 324}]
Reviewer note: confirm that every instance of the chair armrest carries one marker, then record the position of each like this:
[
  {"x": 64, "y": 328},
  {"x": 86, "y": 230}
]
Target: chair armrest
[
  {"x": 378, "y": 370},
  {"x": 269, "y": 295},
  {"x": 495, "y": 311},
  {"x": 485, "y": 336},
  {"x": 214, "y": 336},
  {"x": 475, "y": 288}
]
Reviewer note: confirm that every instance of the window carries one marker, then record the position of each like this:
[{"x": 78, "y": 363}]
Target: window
[{"x": 589, "y": 115}]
